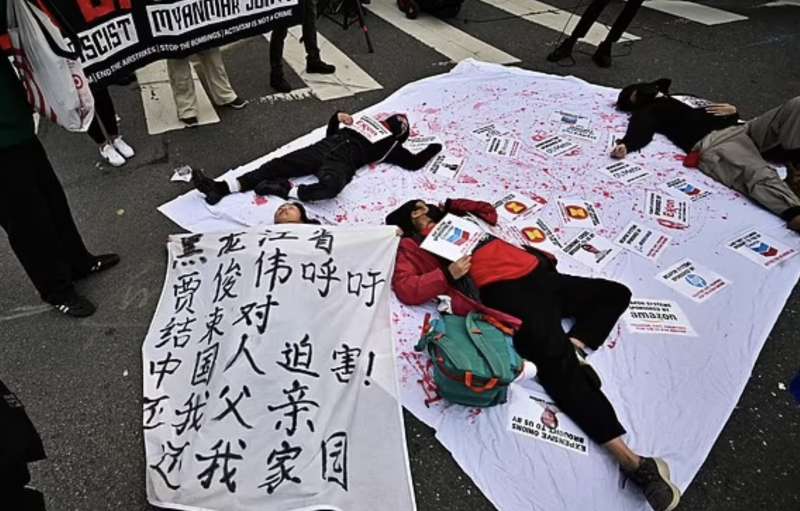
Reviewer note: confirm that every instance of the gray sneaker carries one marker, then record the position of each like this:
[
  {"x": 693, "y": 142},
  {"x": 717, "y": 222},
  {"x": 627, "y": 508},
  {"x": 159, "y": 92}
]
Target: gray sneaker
[{"x": 652, "y": 477}]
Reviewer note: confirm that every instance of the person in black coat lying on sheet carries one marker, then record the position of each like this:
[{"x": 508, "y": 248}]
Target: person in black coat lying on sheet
[{"x": 334, "y": 160}]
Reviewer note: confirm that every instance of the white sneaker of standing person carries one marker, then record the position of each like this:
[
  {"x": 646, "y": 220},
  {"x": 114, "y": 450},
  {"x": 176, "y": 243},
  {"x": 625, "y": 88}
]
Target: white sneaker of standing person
[
  {"x": 122, "y": 147},
  {"x": 111, "y": 155},
  {"x": 528, "y": 371}
]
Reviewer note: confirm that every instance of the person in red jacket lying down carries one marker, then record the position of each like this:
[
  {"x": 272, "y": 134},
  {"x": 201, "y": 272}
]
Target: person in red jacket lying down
[{"x": 523, "y": 289}]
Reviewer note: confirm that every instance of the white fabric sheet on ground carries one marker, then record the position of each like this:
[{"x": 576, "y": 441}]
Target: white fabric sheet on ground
[
  {"x": 673, "y": 393},
  {"x": 269, "y": 374}
]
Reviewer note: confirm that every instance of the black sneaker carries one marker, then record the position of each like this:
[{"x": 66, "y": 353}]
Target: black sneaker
[
  {"x": 652, "y": 477},
  {"x": 190, "y": 121},
  {"x": 214, "y": 191},
  {"x": 279, "y": 83},
  {"x": 277, "y": 187},
  {"x": 74, "y": 305},
  {"x": 237, "y": 104},
  {"x": 563, "y": 51},
  {"x": 319, "y": 67},
  {"x": 602, "y": 57},
  {"x": 97, "y": 264}
]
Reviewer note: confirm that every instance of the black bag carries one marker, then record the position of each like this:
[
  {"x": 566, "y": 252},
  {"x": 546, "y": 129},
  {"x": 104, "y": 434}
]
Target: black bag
[{"x": 438, "y": 8}]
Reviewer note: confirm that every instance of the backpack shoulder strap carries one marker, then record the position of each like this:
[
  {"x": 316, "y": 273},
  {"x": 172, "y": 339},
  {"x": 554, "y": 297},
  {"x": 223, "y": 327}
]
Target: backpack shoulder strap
[{"x": 479, "y": 335}]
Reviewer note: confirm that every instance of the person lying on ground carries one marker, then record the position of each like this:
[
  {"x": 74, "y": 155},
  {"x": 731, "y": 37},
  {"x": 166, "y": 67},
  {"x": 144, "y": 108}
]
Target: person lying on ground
[
  {"x": 732, "y": 152},
  {"x": 293, "y": 213},
  {"x": 523, "y": 289},
  {"x": 334, "y": 160}
]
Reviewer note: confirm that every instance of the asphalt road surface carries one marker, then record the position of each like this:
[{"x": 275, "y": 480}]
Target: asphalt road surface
[{"x": 81, "y": 379}]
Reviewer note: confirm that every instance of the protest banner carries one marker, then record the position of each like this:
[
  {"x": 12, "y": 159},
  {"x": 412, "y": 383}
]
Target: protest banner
[
  {"x": 659, "y": 317},
  {"x": 269, "y": 379},
  {"x": 692, "y": 280},
  {"x": 642, "y": 240},
  {"x": 118, "y": 36},
  {"x": 761, "y": 249}
]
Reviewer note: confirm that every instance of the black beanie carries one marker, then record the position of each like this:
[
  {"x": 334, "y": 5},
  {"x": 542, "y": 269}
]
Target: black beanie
[
  {"x": 401, "y": 217},
  {"x": 398, "y": 127},
  {"x": 645, "y": 93}
]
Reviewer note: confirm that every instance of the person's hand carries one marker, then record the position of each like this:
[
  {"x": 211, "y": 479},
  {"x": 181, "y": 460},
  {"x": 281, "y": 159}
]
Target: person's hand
[
  {"x": 619, "y": 151},
  {"x": 345, "y": 118},
  {"x": 434, "y": 149},
  {"x": 721, "y": 109},
  {"x": 399, "y": 232},
  {"x": 460, "y": 267}
]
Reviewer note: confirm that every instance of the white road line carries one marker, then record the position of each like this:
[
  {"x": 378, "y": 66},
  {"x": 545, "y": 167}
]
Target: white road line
[
  {"x": 442, "y": 37},
  {"x": 779, "y": 3},
  {"x": 159, "y": 105},
  {"x": 348, "y": 80},
  {"x": 694, "y": 12}
]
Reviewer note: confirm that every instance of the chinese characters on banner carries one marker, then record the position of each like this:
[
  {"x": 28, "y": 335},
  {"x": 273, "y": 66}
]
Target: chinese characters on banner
[{"x": 269, "y": 377}]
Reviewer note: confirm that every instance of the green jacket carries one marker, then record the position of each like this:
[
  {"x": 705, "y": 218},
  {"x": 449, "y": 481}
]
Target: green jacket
[{"x": 16, "y": 121}]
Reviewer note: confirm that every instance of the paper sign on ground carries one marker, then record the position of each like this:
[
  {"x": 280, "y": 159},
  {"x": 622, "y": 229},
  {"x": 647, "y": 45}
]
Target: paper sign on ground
[
  {"x": 576, "y": 212},
  {"x": 586, "y": 133},
  {"x": 445, "y": 165},
  {"x": 692, "y": 280},
  {"x": 591, "y": 249},
  {"x": 487, "y": 132},
  {"x": 533, "y": 415},
  {"x": 666, "y": 210},
  {"x": 643, "y": 240},
  {"x": 453, "y": 237},
  {"x": 418, "y": 144},
  {"x": 624, "y": 172},
  {"x": 516, "y": 206},
  {"x": 555, "y": 146},
  {"x": 692, "y": 101},
  {"x": 569, "y": 118},
  {"x": 661, "y": 317},
  {"x": 503, "y": 146},
  {"x": 684, "y": 189},
  {"x": 537, "y": 233},
  {"x": 369, "y": 128},
  {"x": 761, "y": 249}
]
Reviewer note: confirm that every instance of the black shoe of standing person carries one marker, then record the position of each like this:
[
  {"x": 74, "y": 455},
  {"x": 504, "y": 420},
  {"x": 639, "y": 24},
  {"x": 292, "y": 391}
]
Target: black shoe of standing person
[
  {"x": 97, "y": 264},
  {"x": 563, "y": 51},
  {"x": 318, "y": 66},
  {"x": 279, "y": 83},
  {"x": 74, "y": 305},
  {"x": 190, "y": 121},
  {"x": 214, "y": 191},
  {"x": 236, "y": 104},
  {"x": 652, "y": 477},
  {"x": 277, "y": 187},
  {"x": 602, "y": 57}
]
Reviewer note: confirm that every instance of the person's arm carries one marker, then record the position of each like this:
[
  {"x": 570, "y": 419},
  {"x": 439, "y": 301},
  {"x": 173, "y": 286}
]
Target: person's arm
[
  {"x": 336, "y": 118},
  {"x": 641, "y": 128},
  {"x": 725, "y": 111},
  {"x": 481, "y": 209},
  {"x": 411, "y": 286},
  {"x": 406, "y": 159}
]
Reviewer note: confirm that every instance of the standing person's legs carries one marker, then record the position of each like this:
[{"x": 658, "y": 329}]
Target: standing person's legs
[
  {"x": 623, "y": 20},
  {"x": 180, "y": 78},
  {"x": 112, "y": 147},
  {"x": 277, "y": 40},
  {"x": 104, "y": 110},
  {"x": 214, "y": 77},
  {"x": 591, "y": 14},
  {"x": 314, "y": 63}
]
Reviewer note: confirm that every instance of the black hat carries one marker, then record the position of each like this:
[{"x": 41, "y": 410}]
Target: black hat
[
  {"x": 401, "y": 217},
  {"x": 398, "y": 124},
  {"x": 645, "y": 93}
]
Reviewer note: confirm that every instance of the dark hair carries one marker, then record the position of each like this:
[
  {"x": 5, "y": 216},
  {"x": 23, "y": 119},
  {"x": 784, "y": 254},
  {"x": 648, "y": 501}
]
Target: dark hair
[
  {"x": 303, "y": 214},
  {"x": 645, "y": 94},
  {"x": 401, "y": 217}
]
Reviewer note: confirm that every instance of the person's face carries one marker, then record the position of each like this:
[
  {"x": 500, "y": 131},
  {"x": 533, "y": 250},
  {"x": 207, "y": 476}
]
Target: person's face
[
  {"x": 288, "y": 214},
  {"x": 420, "y": 210}
]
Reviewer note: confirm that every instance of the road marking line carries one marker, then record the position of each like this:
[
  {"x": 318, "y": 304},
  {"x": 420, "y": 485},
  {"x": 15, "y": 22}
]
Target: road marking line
[
  {"x": 694, "y": 12},
  {"x": 348, "y": 80},
  {"x": 441, "y": 36},
  {"x": 159, "y": 104},
  {"x": 555, "y": 19}
]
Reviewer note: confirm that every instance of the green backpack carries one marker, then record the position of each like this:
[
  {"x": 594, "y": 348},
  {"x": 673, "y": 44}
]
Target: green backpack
[{"x": 473, "y": 361}]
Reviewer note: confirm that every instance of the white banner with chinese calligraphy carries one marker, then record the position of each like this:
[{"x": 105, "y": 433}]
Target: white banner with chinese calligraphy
[{"x": 269, "y": 377}]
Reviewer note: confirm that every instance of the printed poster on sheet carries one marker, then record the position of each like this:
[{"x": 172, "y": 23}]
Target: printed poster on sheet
[
  {"x": 453, "y": 237},
  {"x": 555, "y": 145},
  {"x": 539, "y": 234},
  {"x": 591, "y": 249},
  {"x": 684, "y": 189},
  {"x": 761, "y": 249},
  {"x": 416, "y": 145},
  {"x": 692, "y": 280},
  {"x": 516, "y": 206},
  {"x": 487, "y": 132},
  {"x": 657, "y": 317},
  {"x": 624, "y": 172},
  {"x": 577, "y": 212},
  {"x": 569, "y": 118},
  {"x": 585, "y": 133},
  {"x": 445, "y": 166},
  {"x": 533, "y": 415},
  {"x": 692, "y": 101},
  {"x": 369, "y": 128},
  {"x": 667, "y": 210},
  {"x": 642, "y": 240},
  {"x": 506, "y": 147}
]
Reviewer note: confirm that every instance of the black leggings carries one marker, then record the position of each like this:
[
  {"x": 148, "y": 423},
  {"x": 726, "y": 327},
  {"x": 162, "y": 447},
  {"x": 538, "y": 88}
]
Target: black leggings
[
  {"x": 593, "y": 12},
  {"x": 333, "y": 160},
  {"x": 104, "y": 114},
  {"x": 541, "y": 299}
]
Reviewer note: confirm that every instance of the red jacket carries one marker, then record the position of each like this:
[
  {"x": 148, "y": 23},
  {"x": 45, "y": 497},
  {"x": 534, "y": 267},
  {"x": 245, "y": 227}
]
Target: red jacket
[{"x": 419, "y": 276}]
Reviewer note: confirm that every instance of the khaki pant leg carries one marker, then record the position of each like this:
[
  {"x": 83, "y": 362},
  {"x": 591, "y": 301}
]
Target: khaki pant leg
[
  {"x": 214, "y": 77},
  {"x": 731, "y": 157},
  {"x": 777, "y": 127},
  {"x": 180, "y": 78}
]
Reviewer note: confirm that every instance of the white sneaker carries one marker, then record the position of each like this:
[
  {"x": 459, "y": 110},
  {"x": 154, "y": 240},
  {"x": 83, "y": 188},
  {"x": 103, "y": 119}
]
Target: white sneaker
[
  {"x": 528, "y": 371},
  {"x": 111, "y": 155},
  {"x": 123, "y": 148}
]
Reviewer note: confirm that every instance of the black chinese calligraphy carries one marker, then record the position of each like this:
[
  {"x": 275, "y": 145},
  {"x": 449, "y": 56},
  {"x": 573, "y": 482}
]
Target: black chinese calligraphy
[
  {"x": 171, "y": 459},
  {"x": 357, "y": 282},
  {"x": 296, "y": 403},
  {"x": 276, "y": 236},
  {"x": 325, "y": 273},
  {"x": 227, "y": 457},
  {"x": 204, "y": 365},
  {"x": 185, "y": 290},
  {"x": 214, "y": 320},
  {"x": 279, "y": 470},
  {"x": 232, "y": 405},
  {"x": 189, "y": 250},
  {"x": 260, "y": 311},
  {"x": 192, "y": 413},
  {"x": 231, "y": 243},
  {"x": 323, "y": 240},
  {"x": 347, "y": 358},
  {"x": 152, "y": 410},
  {"x": 274, "y": 268},
  {"x": 244, "y": 350},
  {"x": 224, "y": 282},
  {"x": 179, "y": 332},
  {"x": 166, "y": 366},
  {"x": 334, "y": 459},
  {"x": 297, "y": 357}
]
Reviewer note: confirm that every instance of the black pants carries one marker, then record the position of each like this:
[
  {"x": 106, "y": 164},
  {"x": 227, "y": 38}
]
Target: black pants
[
  {"x": 104, "y": 114},
  {"x": 541, "y": 299},
  {"x": 593, "y": 12},
  {"x": 334, "y": 160},
  {"x": 35, "y": 214},
  {"x": 278, "y": 38}
]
